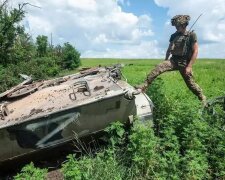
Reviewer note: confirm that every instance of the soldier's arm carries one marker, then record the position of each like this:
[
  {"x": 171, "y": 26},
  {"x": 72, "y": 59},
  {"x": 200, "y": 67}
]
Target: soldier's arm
[
  {"x": 168, "y": 52},
  {"x": 194, "y": 54}
]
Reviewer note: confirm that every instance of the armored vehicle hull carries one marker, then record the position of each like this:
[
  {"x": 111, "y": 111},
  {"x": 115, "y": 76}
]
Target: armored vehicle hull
[{"x": 46, "y": 114}]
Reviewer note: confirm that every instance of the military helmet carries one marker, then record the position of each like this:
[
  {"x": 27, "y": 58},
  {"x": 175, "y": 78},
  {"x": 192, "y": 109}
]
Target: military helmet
[{"x": 180, "y": 20}]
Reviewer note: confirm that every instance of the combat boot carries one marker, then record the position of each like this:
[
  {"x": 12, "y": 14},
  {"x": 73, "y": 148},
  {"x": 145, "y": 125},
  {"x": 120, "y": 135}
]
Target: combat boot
[
  {"x": 143, "y": 87},
  {"x": 204, "y": 101}
]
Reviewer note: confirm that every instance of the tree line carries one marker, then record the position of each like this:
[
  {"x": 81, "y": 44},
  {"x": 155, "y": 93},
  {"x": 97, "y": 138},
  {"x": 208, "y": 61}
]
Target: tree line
[{"x": 19, "y": 53}]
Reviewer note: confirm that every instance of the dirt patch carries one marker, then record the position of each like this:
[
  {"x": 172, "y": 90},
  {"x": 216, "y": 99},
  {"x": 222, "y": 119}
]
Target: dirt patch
[
  {"x": 35, "y": 111},
  {"x": 55, "y": 174}
]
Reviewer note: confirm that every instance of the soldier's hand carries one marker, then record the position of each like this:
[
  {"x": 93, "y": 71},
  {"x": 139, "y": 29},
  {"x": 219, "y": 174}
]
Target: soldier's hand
[{"x": 188, "y": 70}]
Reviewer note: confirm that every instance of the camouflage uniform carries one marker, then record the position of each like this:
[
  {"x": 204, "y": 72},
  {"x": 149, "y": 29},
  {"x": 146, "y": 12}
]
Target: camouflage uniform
[
  {"x": 171, "y": 66},
  {"x": 181, "y": 51}
]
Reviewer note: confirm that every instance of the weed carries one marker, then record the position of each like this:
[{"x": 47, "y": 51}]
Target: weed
[{"x": 29, "y": 172}]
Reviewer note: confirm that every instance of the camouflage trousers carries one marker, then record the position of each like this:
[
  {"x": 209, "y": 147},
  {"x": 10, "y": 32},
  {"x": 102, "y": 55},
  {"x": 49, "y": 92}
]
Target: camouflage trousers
[{"x": 170, "y": 66}]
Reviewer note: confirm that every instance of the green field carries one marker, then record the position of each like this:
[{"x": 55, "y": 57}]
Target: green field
[
  {"x": 209, "y": 74},
  {"x": 182, "y": 144}
]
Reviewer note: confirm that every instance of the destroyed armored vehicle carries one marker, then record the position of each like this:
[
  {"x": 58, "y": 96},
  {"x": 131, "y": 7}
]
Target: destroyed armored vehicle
[{"x": 35, "y": 116}]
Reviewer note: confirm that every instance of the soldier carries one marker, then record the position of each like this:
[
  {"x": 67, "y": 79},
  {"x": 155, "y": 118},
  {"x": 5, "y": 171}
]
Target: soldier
[{"x": 184, "y": 49}]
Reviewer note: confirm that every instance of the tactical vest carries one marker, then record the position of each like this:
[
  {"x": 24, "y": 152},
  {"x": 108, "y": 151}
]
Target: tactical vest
[{"x": 181, "y": 45}]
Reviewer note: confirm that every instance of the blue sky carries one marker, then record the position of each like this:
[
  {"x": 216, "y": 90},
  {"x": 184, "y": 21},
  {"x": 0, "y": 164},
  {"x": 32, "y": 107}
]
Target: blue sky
[
  {"x": 125, "y": 28},
  {"x": 149, "y": 7},
  {"x": 139, "y": 7}
]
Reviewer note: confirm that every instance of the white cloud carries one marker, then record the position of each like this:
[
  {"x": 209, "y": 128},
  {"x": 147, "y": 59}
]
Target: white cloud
[
  {"x": 40, "y": 24},
  {"x": 84, "y": 5},
  {"x": 210, "y": 28},
  {"x": 124, "y": 2},
  {"x": 101, "y": 39},
  {"x": 142, "y": 50},
  {"x": 93, "y": 26}
]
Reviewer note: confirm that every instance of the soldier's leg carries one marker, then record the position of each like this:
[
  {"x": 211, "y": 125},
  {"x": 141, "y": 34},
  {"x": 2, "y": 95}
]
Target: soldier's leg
[
  {"x": 194, "y": 87},
  {"x": 159, "y": 69}
]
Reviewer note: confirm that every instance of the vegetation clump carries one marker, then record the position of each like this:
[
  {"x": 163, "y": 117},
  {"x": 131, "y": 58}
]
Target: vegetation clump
[
  {"x": 184, "y": 143},
  {"x": 29, "y": 172},
  {"x": 19, "y": 54}
]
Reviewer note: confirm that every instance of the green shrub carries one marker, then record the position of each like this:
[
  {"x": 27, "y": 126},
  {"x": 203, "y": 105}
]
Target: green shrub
[
  {"x": 101, "y": 166},
  {"x": 143, "y": 150},
  {"x": 70, "y": 57},
  {"x": 39, "y": 68},
  {"x": 183, "y": 144},
  {"x": 42, "y": 45},
  {"x": 29, "y": 172},
  {"x": 7, "y": 79}
]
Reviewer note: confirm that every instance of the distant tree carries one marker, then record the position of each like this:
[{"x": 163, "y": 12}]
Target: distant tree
[
  {"x": 10, "y": 30},
  {"x": 70, "y": 57},
  {"x": 17, "y": 47},
  {"x": 24, "y": 48},
  {"x": 57, "y": 51},
  {"x": 42, "y": 45}
]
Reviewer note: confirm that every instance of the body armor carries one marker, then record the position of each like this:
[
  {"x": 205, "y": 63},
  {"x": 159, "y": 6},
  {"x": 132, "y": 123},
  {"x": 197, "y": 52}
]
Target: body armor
[{"x": 180, "y": 45}]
